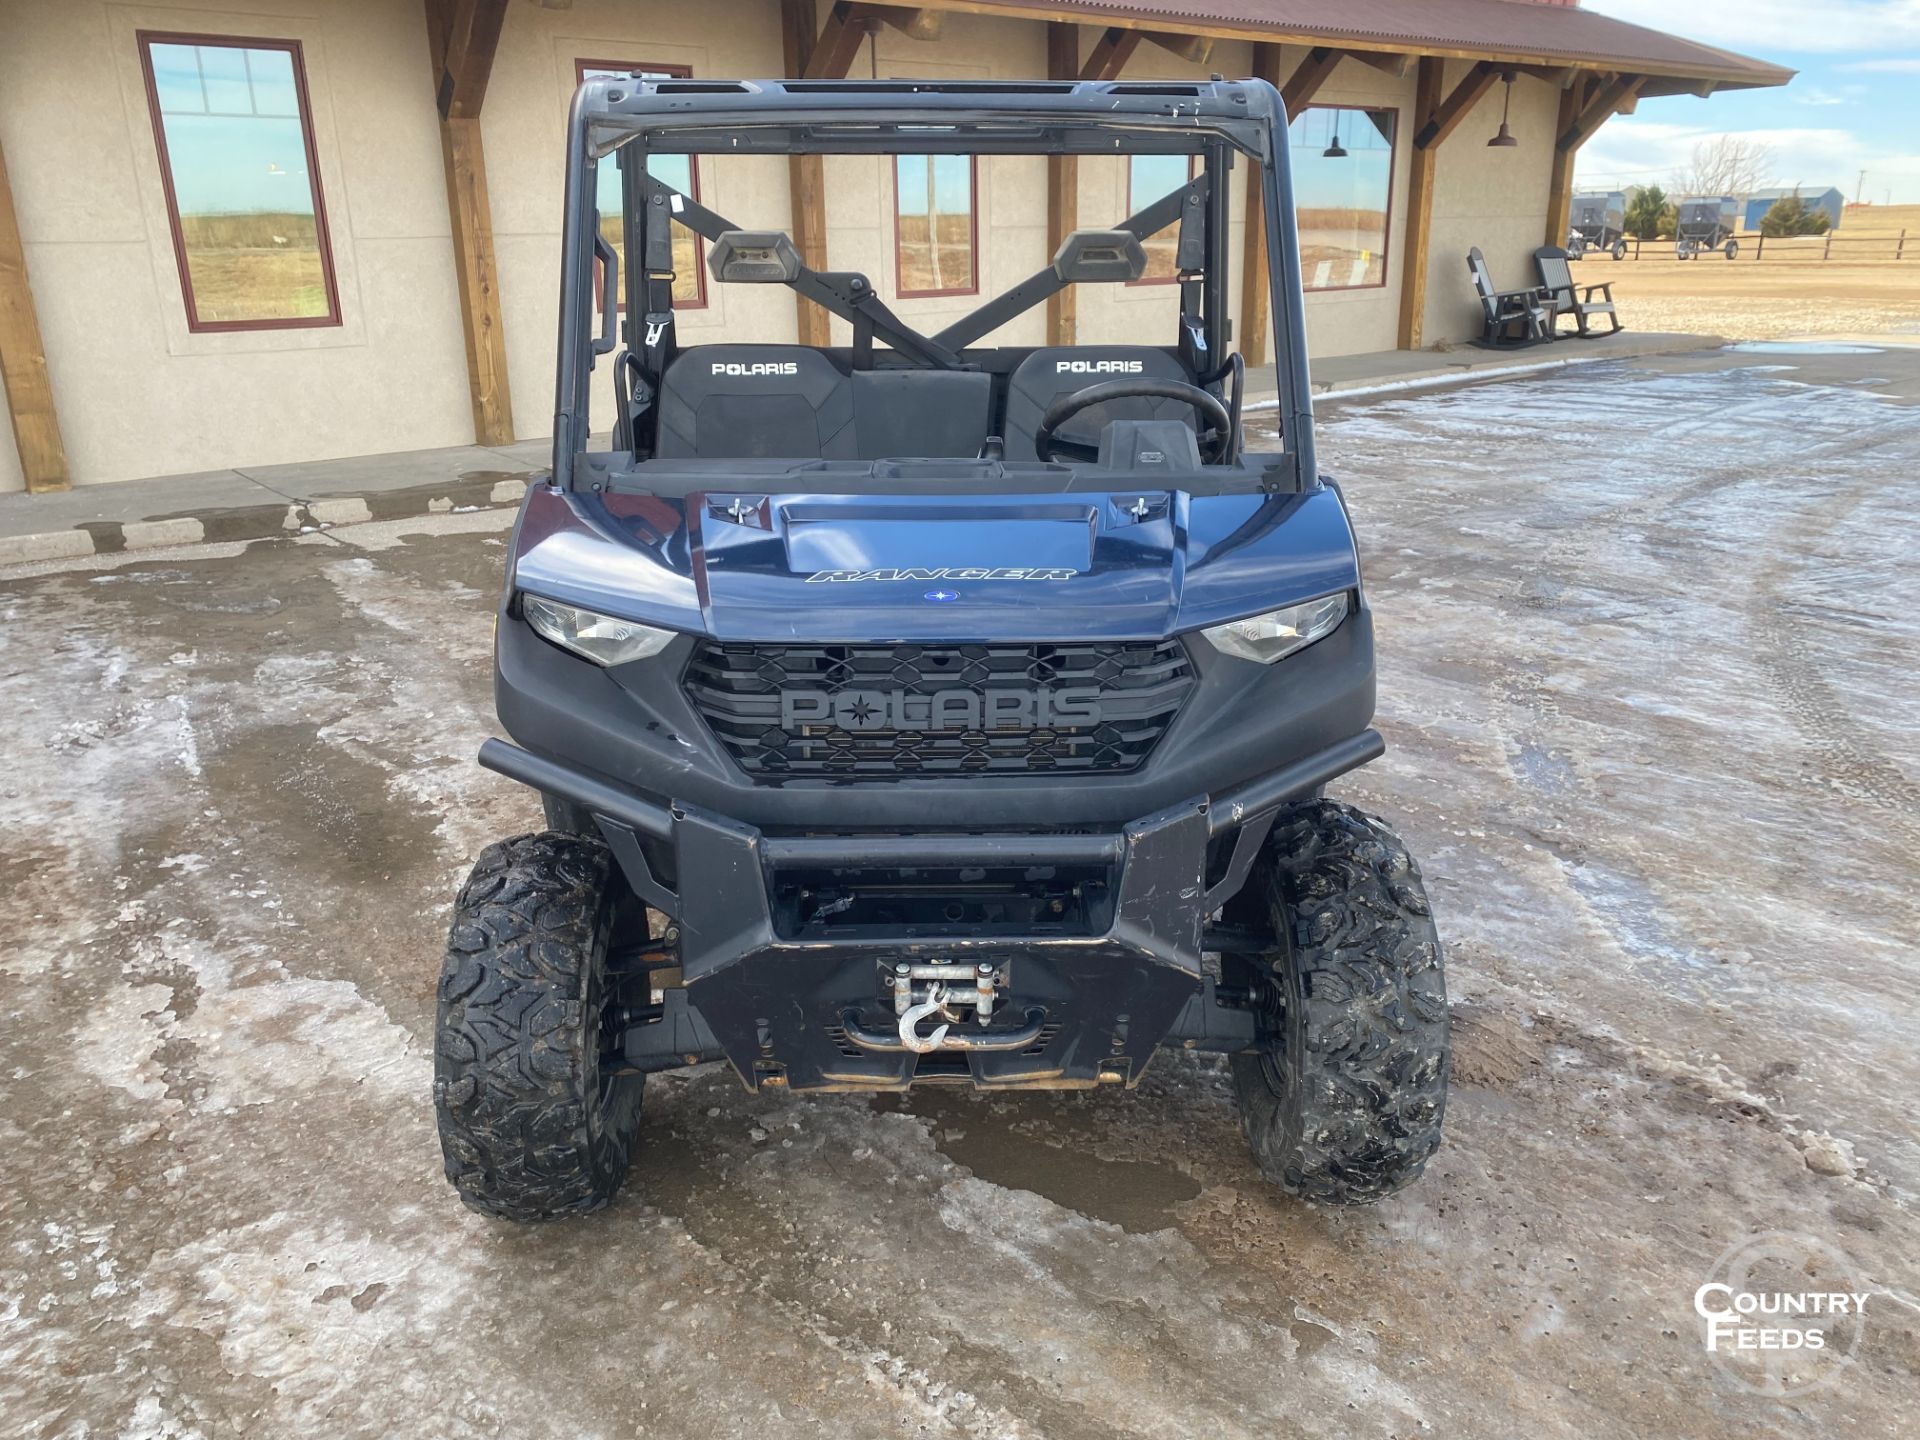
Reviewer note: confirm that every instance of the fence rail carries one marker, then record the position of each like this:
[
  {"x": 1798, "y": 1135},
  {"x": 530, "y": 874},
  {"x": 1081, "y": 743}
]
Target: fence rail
[{"x": 1779, "y": 248}]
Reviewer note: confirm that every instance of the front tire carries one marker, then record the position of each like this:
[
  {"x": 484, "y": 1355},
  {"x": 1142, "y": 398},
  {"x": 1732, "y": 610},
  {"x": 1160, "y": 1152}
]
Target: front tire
[
  {"x": 1343, "y": 1098},
  {"x": 535, "y": 1120}
]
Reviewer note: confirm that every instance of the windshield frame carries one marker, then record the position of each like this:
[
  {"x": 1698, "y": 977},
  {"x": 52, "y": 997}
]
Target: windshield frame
[{"x": 663, "y": 116}]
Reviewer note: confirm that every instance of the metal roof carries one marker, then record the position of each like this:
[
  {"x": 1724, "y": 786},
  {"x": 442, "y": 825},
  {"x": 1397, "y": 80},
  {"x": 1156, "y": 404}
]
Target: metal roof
[
  {"x": 1506, "y": 30},
  {"x": 1805, "y": 192}
]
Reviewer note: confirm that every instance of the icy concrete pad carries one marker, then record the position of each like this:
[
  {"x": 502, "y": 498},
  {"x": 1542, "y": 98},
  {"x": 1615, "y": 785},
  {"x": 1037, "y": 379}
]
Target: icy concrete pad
[{"x": 1646, "y": 640}]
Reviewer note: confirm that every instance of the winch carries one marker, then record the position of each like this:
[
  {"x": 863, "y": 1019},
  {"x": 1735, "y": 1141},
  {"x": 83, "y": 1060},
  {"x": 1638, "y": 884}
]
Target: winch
[
  {"x": 952, "y": 992},
  {"x": 943, "y": 989}
]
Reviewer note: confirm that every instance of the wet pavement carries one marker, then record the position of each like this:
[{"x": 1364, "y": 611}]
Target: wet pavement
[{"x": 1647, "y": 644}]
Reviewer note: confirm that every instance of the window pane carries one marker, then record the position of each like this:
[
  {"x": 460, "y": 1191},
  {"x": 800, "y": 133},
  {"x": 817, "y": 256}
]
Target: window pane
[
  {"x": 236, "y": 154},
  {"x": 933, "y": 197},
  {"x": 676, "y": 170},
  {"x": 1341, "y": 199},
  {"x": 1149, "y": 177}
]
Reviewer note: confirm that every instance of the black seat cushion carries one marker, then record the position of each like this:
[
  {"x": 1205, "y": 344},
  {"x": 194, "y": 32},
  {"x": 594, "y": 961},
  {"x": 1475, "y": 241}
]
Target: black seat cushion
[
  {"x": 1045, "y": 375},
  {"x": 903, "y": 414},
  {"x": 738, "y": 402}
]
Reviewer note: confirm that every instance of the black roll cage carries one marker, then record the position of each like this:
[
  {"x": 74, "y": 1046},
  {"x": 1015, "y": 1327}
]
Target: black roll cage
[{"x": 635, "y": 117}]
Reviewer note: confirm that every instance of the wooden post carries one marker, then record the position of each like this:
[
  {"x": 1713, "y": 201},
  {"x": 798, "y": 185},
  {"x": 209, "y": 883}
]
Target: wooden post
[
  {"x": 815, "y": 54},
  {"x": 1560, "y": 180},
  {"x": 462, "y": 38},
  {"x": 1901, "y": 249},
  {"x": 23, "y": 360},
  {"x": 1828, "y": 250},
  {"x": 1413, "y": 268},
  {"x": 1107, "y": 59},
  {"x": 1063, "y": 189},
  {"x": 1256, "y": 286}
]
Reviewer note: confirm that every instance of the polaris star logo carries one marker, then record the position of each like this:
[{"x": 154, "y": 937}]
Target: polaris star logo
[
  {"x": 943, "y": 710},
  {"x": 763, "y": 367},
  {"x": 843, "y": 577},
  {"x": 1098, "y": 367}
]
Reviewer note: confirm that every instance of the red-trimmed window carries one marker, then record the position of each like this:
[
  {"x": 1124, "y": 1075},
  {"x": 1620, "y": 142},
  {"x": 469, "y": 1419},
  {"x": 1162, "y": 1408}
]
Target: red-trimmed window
[
  {"x": 936, "y": 225},
  {"x": 679, "y": 171},
  {"x": 1149, "y": 178},
  {"x": 235, "y": 132},
  {"x": 1342, "y": 162}
]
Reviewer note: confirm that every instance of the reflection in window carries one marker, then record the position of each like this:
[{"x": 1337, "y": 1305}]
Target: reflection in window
[
  {"x": 1149, "y": 177},
  {"x": 933, "y": 225},
  {"x": 689, "y": 265},
  {"x": 236, "y": 162},
  {"x": 1342, "y": 162}
]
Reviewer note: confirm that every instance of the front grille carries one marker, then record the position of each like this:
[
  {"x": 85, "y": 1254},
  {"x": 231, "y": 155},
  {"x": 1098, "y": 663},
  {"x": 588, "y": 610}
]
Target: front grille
[{"x": 883, "y": 711}]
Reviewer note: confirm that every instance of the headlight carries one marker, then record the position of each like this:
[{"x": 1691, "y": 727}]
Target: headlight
[
  {"x": 599, "y": 638},
  {"x": 1278, "y": 633}
]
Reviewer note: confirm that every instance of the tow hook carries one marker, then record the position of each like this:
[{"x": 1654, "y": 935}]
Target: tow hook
[
  {"x": 935, "y": 1003},
  {"x": 945, "y": 991}
]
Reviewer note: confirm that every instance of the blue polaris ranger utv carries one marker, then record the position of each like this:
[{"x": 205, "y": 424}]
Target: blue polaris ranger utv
[{"x": 922, "y": 709}]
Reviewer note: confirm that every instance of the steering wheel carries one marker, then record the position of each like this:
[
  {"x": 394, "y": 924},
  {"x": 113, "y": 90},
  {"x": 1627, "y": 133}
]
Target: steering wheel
[{"x": 1217, "y": 438}]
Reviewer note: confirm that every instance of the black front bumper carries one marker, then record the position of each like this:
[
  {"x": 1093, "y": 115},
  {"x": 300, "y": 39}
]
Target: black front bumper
[{"x": 1083, "y": 1003}]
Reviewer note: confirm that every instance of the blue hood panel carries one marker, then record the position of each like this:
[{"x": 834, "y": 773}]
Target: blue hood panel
[{"x": 908, "y": 568}]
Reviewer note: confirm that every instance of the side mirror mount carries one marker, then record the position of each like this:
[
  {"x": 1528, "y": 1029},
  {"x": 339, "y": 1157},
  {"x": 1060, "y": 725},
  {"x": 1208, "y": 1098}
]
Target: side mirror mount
[
  {"x": 754, "y": 257},
  {"x": 1100, "y": 256}
]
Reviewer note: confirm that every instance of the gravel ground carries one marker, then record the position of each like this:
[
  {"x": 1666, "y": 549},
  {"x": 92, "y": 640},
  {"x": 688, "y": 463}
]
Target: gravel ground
[
  {"x": 1647, "y": 638},
  {"x": 1765, "y": 299}
]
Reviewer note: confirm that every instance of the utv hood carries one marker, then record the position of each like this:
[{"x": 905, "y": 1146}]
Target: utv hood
[{"x": 1125, "y": 565}]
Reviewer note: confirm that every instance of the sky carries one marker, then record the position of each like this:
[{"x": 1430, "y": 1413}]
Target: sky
[{"x": 1855, "y": 105}]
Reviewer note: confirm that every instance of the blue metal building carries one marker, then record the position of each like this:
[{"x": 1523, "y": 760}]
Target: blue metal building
[{"x": 1829, "y": 199}]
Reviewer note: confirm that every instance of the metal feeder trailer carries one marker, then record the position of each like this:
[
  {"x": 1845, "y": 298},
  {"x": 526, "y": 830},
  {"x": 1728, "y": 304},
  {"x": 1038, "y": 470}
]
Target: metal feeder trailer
[
  {"x": 1598, "y": 223},
  {"x": 1707, "y": 223}
]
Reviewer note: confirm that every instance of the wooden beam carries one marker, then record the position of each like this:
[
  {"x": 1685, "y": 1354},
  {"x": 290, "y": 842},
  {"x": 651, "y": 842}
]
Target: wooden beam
[
  {"x": 1262, "y": 30},
  {"x": 462, "y": 36},
  {"x": 1308, "y": 77},
  {"x": 1558, "y": 76},
  {"x": 1417, "y": 245},
  {"x": 847, "y": 27},
  {"x": 471, "y": 38},
  {"x": 1622, "y": 90},
  {"x": 1195, "y": 49},
  {"x": 23, "y": 360},
  {"x": 1452, "y": 110},
  {"x": 1560, "y": 178},
  {"x": 921, "y": 24},
  {"x": 1110, "y": 54},
  {"x": 1063, "y": 189},
  {"x": 1384, "y": 61},
  {"x": 1255, "y": 285}
]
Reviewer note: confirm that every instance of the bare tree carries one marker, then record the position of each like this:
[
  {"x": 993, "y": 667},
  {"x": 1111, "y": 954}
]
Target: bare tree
[{"x": 1725, "y": 165}]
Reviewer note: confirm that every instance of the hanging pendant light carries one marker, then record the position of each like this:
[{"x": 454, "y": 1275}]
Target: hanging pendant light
[
  {"x": 1504, "y": 140},
  {"x": 1335, "y": 151}
]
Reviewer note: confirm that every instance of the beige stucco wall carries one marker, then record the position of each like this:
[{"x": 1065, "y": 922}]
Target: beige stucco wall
[
  {"x": 524, "y": 127},
  {"x": 139, "y": 395},
  {"x": 1496, "y": 199}
]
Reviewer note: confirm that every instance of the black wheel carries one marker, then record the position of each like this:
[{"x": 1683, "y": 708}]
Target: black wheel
[
  {"x": 1342, "y": 1099},
  {"x": 1619, "y": 250},
  {"x": 1733, "y": 249},
  {"x": 537, "y": 1118}
]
